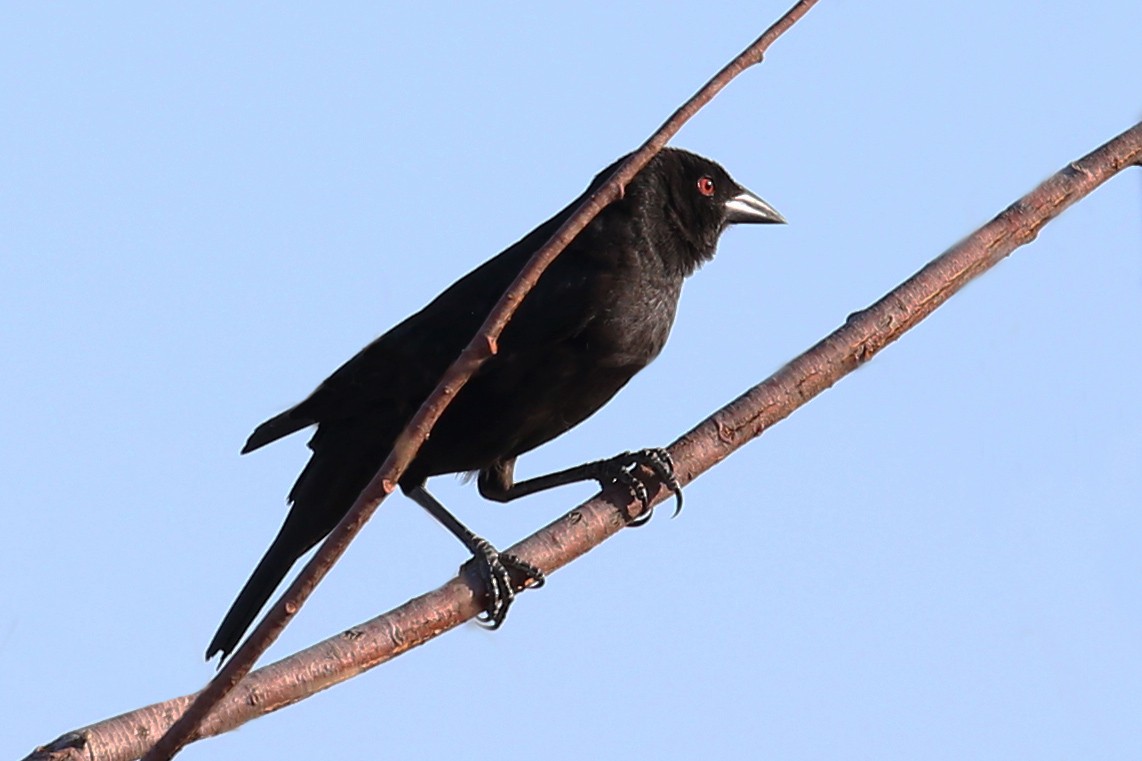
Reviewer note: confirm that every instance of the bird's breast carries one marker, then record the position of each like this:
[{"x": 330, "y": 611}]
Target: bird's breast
[{"x": 634, "y": 324}]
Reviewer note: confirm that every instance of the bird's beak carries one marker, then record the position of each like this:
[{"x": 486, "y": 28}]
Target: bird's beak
[{"x": 747, "y": 208}]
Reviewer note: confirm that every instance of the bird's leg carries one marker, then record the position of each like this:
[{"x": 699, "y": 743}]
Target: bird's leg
[
  {"x": 496, "y": 481},
  {"x": 493, "y": 566}
]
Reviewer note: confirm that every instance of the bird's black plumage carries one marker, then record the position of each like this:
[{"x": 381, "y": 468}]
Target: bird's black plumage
[{"x": 599, "y": 314}]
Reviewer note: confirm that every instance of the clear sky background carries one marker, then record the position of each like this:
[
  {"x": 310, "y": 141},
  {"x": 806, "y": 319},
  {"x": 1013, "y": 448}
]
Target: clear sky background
[{"x": 204, "y": 210}]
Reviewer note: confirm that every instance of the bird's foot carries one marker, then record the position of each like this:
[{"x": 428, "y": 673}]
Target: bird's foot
[
  {"x": 495, "y": 570},
  {"x": 621, "y": 469}
]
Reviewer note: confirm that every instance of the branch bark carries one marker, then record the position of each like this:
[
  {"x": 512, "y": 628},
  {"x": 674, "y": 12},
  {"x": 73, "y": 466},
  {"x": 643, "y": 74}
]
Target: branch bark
[{"x": 864, "y": 333}]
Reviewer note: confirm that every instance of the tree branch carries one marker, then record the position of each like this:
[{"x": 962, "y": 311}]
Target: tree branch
[{"x": 864, "y": 334}]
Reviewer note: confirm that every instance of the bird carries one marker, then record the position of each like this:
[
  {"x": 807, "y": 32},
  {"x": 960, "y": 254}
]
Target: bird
[{"x": 600, "y": 313}]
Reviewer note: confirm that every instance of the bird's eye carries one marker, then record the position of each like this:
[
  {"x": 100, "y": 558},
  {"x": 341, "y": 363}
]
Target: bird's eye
[{"x": 706, "y": 186}]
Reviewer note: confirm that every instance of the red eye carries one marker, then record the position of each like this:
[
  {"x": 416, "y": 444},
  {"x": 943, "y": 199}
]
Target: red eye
[{"x": 706, "y": 186}]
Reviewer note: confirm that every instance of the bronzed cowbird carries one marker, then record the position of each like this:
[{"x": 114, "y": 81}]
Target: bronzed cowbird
[{"x": 599, "y": 314}]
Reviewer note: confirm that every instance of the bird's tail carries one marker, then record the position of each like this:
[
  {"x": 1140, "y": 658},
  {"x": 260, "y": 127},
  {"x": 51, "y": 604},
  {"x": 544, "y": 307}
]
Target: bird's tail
[
  {"x": 272, "y": 568},
  {"x": 275, "y": 428},
  {"x": 323, "y": 493}
]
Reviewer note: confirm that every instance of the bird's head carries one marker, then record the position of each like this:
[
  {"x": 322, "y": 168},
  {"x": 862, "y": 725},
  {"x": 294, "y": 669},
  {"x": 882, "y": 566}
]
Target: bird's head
[{"x": 698, "y": 200}]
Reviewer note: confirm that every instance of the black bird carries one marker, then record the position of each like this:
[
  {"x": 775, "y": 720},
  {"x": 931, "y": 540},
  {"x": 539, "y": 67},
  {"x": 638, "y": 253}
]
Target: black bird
[{"x": 599, "y": 314}]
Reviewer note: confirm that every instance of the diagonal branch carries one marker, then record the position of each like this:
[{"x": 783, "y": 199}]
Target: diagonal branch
[
  {"x": 408, "y": 443},
  {"x": 864, "y": 333}
]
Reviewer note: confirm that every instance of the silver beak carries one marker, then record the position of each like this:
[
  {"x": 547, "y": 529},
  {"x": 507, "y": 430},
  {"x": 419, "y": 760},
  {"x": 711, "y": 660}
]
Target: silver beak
[{"x": 746, "y": 208}]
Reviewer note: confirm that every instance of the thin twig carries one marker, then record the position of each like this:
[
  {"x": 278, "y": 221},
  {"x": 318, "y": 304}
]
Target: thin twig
[
  {"x": 864, "y": 333},
  {"x": 408, "y": 443}
]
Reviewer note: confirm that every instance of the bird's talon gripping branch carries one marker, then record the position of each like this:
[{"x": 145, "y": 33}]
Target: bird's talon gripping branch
[
  {"x": 621, "y": 470},
  {"x": 495, "y": 570}
]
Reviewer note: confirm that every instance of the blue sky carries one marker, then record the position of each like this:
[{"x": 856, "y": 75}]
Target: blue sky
[{"x": 203, "y": 211}]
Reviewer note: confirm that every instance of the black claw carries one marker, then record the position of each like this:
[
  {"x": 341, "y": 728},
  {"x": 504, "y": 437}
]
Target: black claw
[
  {"x": 641, "y": 520},
  {"x": 499, "y": 592},
  {"x": 495, "y": 571},
  {"x": 637, "y": 488},
  {"x": 660, "y": 461},
  {"x": 533, "y": 578}
]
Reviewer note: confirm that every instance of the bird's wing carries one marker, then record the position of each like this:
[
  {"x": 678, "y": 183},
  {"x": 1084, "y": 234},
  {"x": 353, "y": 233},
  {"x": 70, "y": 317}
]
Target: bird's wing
[{"x": 400, "y": 368}]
